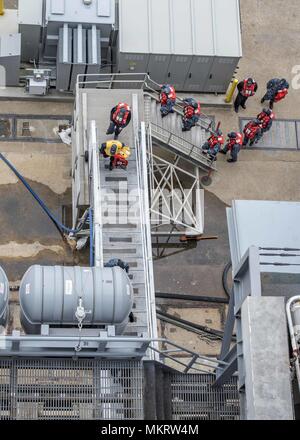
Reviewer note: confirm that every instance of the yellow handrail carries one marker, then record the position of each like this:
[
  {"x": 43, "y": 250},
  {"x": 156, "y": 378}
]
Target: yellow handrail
[{"x": 1, "y": 7}]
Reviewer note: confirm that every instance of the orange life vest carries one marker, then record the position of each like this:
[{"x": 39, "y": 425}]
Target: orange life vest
[
  {"x": 117, "y": 117},
  {"x": 281, "y": 94},
  {"x": 248, "y": 90}
]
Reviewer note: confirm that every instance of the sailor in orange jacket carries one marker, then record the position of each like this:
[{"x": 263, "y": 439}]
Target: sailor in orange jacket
[
  {"x": 213, "y": 145},
  {"x": 120, "y": 117},
  {"x": 277, "y": 89},
  {"x": 246, "y": 89},
  {"x": 234, "y": 144}
]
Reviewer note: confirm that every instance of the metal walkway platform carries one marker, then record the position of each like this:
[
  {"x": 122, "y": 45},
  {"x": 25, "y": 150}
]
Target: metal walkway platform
[
  {"x": 122, "y": 221},
  {"x": 167, "y": 132},
  {"x": 64, "y": 389}
]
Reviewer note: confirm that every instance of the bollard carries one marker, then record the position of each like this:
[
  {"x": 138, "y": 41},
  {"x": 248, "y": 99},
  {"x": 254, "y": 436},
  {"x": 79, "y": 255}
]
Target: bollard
[
  {"x": 1, "y": 7},
  {"x": 231, "y": 90}
]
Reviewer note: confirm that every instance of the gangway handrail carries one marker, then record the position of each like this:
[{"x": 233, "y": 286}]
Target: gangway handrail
[
  {"x": 200, "y": 157},
  {"x": 96, "y": 199},
  {"x": 196, "y": 358},
  {"x": 111, "y": 78},
  {"x": 145, "y": 81},
  {"x": 141, "y": 159},
  {"x": 203, "y": 121}
]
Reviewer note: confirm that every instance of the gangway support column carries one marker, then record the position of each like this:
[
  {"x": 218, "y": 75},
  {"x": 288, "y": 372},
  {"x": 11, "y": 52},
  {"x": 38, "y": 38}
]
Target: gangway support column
[{"x": 267, "y": 383}]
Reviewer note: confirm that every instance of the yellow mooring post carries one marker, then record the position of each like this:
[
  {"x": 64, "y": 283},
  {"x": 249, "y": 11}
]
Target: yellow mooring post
[
  {"x": 231, "y": 90},
  {"x": 1, "y": 7}
]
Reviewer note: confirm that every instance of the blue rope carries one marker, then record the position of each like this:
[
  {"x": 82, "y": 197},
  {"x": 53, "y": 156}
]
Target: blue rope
[{"x": 62, "y": 228}]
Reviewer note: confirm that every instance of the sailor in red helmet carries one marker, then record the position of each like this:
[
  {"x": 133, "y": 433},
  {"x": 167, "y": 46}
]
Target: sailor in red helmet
[
  {"x": 246, "y": 89},
  {"x": 277, "y": 89},
  {"x": 192, "y": 111},
  {"x": 167, "y": 99},
  {"x": 252, "y": 132},
  {"x": 234, "y": 144},
  {"x": 266, "y": 117},
  {"x": 213, "y": 145},
  {"x": 120, "y": 117}
]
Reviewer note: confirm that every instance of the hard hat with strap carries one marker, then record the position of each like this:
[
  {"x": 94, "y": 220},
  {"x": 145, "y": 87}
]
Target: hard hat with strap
[{"x": 113, "y": 147}]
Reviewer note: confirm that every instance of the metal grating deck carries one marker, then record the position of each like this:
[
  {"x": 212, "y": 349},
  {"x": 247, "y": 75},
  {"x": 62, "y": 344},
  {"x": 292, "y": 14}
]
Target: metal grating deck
[
  {"x": 68, "y": 389},
  {"x": 195, "y": 398},
  {"x": 64, "y": 389}
]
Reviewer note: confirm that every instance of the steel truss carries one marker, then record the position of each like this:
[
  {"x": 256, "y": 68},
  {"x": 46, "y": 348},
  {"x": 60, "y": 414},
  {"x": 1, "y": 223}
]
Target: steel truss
[{"x": 176, "y": 200}]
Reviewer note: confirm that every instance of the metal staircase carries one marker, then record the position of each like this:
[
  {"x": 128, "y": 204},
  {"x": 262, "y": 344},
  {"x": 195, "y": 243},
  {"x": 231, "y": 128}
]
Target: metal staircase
[
  {"x": 120, "y": 220},
  {"x": 168, "y": 134}
]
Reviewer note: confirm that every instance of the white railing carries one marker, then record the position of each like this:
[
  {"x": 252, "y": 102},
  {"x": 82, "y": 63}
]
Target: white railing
[
  {"x": 95, "y": 195},
  {"x": 108, "y": 80},
  {"x": 143, "y": 190},
  {"x": 182, "y": 146},
  {"x": 137, "y": 81},
  {"x": 205, "y": 122}
]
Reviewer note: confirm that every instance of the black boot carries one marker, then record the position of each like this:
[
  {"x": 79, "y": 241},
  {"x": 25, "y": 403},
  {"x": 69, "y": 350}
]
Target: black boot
[
  {"x": 231, "y": 160},
  {"x": 262, "y": 100},
  {"x": 223, "y": 152}
]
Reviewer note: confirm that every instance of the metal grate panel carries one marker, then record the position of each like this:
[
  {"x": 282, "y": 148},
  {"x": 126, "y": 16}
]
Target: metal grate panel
[
  {"x": 284, "y": 135},
  {"x": 66, "y": 389},
  {"x": 195, "y": 398}
]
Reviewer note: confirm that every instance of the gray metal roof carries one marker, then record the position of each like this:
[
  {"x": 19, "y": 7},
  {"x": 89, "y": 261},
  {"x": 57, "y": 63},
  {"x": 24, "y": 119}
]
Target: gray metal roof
[{"x": 273, "y": 226}]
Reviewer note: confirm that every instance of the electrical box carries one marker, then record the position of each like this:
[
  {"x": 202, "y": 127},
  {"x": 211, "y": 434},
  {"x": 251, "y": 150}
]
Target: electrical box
[
  {"x": 30, "y": 19},
  {"x": 10, "y": 57},
  {"x": 79, "y": 11},
  {"x": 79, "y": 54},
  {"x": 203, "y": 47},
  {"x": 228, "y": 46},
  {"x": 94, "y": 50},
  {"x": 64, "y": 58},
  {"x": 185, "y": 43}
]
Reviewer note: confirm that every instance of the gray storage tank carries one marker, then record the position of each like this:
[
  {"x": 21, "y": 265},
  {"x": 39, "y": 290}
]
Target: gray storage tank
[
  {"x": 50, "y": 295},
  {"x": 4, "y": 291}
]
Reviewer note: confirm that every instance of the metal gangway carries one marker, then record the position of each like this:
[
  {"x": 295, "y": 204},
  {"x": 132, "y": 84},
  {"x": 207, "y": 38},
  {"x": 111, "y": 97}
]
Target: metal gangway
[
  {"x": 122, "y": 201},
  {"x": 113, "y": 376}
]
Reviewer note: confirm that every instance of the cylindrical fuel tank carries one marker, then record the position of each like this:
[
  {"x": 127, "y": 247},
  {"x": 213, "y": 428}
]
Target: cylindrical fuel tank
[
  {"x": 50, "y": 295},
  {"x": 4, "y": 292}
]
